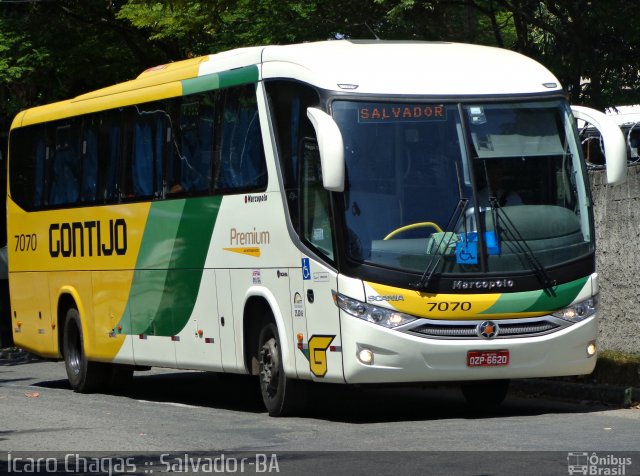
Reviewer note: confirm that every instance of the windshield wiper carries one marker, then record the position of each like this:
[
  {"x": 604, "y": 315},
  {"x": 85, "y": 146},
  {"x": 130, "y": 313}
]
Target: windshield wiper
[
  {"x": 443, "y": 244},
  {"x": 446, "y": 237},
  {"x": 512, "y": 234}
]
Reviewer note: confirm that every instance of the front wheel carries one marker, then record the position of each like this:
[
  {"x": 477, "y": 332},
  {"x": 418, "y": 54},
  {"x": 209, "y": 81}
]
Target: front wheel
[
  {"x": 84, "y": 376},
  {"x": 282, "y": 396},
  {"x": 485, "y": 395}
]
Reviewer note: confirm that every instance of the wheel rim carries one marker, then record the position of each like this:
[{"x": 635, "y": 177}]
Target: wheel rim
[
  {"x": 269, "y": 367},
  {"x": 74, "y": 358}
]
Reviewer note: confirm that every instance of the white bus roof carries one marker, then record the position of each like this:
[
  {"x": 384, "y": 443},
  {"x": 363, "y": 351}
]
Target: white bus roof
[
  {"x": 391, "y": 68},
  {"x": 396, "y": 67}
]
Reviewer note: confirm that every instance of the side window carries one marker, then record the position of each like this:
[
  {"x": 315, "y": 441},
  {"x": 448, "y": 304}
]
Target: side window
[
  {"x": 41, "y": 153},
  {"x": 88, "y": 188},
  {"x": 28, "y": 152},
  {"x": 150, "y": 134},
  {"x": 189, "y": 169},
  {"x": 239, "y": 160},
  {"x": 288, "y": 103},
  {"x": 64, "y": 168},
  {"x": 110, "y": 153},
  {"x": 316, "y": 222}
]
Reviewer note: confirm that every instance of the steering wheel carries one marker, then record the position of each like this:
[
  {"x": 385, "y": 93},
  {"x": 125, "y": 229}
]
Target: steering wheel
[{"x": 413, "y": 226}]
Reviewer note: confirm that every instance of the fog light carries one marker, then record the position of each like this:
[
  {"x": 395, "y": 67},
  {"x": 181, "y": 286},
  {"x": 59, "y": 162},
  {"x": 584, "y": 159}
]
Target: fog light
[
  {"x": 591, "y": 349},
  {"x": 365, "y": 356}
]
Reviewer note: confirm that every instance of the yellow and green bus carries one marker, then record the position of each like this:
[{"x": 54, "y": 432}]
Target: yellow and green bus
[{"x": 341, "y": 211}]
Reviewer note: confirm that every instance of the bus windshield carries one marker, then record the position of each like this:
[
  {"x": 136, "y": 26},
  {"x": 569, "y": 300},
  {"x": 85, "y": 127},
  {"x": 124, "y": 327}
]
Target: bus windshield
[{"x": 463, "y": 188}]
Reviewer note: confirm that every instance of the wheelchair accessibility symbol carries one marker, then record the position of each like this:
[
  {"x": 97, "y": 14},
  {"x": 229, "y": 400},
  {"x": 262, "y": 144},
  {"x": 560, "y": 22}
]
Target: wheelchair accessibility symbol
[
  {"x": 306, "y": 269},
  {"x": 466, "y": 253}
]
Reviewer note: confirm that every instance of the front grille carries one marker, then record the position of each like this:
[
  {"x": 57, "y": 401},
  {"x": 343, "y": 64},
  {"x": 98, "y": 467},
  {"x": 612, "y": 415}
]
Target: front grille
[
  {"x": 516, "y": 330},
  {"x": 435, "y": 330},
  {"x": 467, "y": 330}
]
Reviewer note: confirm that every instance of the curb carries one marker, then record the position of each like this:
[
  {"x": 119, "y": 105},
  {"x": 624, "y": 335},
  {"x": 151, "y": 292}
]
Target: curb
[
  {"x": 583, "y": 392},
  {"x": 13, "y": 354}
]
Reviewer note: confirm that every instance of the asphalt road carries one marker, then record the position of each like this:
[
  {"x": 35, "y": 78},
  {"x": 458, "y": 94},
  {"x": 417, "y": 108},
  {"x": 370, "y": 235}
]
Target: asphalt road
[{"x": 346, "y": 428}]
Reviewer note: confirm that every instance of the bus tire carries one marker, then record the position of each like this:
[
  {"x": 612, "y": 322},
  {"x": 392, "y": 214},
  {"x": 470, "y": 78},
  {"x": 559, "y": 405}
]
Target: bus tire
[
  {"x": 485, "y": 395},
  {"x": 84, "y": 376},
  {"x": 282, "y": 396}
]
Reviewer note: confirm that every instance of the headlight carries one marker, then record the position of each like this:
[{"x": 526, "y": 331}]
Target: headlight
[
  {"x": 579, "y": 311},
  {"x": 367, "y": 312}
]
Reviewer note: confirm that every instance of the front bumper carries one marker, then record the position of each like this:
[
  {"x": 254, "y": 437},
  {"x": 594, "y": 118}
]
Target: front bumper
[{"x": 400, "y": 357}]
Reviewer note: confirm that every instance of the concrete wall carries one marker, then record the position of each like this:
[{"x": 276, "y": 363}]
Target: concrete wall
[{"x": 617, "y": 219}]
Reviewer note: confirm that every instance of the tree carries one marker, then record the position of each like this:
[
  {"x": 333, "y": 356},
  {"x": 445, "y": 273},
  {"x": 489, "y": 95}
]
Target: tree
[
  {"x": 55, "y": 50},
  {"x": 208, "y": 26},
  {"x": 588, "y": 44}
]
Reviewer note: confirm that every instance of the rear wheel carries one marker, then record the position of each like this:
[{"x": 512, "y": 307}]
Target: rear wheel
[
  {"x": 282, "y": 396},
  {"x": 485, "y": 395},
  {"x": 84, "y": 376}
]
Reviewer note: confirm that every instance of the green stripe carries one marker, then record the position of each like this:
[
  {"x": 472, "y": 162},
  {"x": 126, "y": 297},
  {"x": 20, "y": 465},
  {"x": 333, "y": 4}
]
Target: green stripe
[
  {"x": 538, "y": 301},
  {"x": 224, "y": 79},
  {"x": 248, "y": 74},
  {"x": 170, "y": 265},
  {"x": 200, "y": 84},
  {"x": 564, "y": 295},
  {"x": 509, "y": 303}
]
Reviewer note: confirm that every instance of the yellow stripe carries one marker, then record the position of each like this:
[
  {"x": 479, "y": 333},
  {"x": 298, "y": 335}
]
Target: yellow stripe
[
  {"x": 159, "y": 75},
  {"x": 29, "y": 233},
  {"x": 17, "y": 121},
  {"x": 71, "y": 108},
  {"x": 254, "y": 251},
  {"x": 434, "y": 306},
  {"x": 154, "y": 84}
]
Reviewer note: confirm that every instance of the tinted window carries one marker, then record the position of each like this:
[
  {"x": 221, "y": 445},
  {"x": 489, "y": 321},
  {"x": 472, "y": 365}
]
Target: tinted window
[
  {"x": 88, "y": 188},
  {"x": 189, "y": 169},
  {"x": 203, "y": 143},
  {"x": 240, "y": 161},
  {"x": 150, "y": 135},
  {"x": 289, "y": 102},
  {"x": 28, "y": 153}
]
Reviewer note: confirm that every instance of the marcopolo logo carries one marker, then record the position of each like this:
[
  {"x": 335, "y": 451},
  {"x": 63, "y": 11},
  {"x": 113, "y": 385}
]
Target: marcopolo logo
[
  {"x": 484, "y": 284},
  {"x": 255, "y": 198}
]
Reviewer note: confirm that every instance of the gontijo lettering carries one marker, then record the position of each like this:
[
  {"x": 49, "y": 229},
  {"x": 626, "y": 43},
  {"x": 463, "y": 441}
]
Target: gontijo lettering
[{"x": 88, "y": 238}]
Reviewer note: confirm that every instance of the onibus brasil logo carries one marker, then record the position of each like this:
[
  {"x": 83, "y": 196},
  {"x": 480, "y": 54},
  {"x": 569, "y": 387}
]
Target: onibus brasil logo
[{"x": 595, "y": 464}]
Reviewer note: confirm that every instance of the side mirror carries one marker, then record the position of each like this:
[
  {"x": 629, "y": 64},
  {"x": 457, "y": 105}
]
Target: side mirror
[
  {"x": 615, "y": 146},
  {"x": 331, "y": 149}
]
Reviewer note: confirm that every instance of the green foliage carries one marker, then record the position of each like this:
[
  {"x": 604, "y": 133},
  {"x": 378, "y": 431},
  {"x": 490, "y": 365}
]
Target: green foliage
[
  {"x": 55, "y": 50},
  {"x": 27, "y": 59},
  {"x": 253, "y": 22},
  {"x": 200, "y": 27},
  {"x": 588, "y": 44},
  {"x": 471, "y": 21},
  {"x": 189, "y": 26}
]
